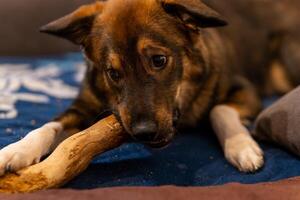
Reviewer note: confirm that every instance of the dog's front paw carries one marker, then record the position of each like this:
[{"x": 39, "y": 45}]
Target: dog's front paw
[
  {"x": 244, "y": 153},
  {"x": 30, "y": 149},
  {"x": 17, "y": 156}
]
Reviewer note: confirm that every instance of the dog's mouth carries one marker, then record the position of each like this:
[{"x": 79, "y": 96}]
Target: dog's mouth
[
  {"x": 166, "y": 138},
  {"x": 160, "y": 143}
]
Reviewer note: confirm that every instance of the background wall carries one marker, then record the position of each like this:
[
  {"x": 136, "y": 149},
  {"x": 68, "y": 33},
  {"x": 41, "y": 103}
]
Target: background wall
[{"x": 20, "y": 21}]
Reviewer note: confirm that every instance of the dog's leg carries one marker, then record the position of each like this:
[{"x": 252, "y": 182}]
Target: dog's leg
[
  {"x": 239, "y": 147},
  {"x": 44, "y": 140}
]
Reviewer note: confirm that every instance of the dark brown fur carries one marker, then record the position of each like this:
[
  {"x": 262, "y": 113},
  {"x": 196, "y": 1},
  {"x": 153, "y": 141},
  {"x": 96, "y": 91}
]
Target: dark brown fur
[{"x": 207, "y": 66}]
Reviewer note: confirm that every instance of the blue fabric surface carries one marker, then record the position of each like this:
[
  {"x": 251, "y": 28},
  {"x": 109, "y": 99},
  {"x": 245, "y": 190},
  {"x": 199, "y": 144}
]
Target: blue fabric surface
[{"x": 193, "y": 159}]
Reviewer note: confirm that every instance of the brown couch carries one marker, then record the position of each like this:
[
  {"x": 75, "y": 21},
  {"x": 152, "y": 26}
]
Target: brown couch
[
  {"x": 20, "y": 21},
  {"x": 282, "y": 190}
]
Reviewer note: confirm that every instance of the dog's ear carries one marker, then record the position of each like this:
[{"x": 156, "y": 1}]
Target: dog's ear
[
  {"x": 194, "y": 14},
  {"x": 77, "y": 25}
]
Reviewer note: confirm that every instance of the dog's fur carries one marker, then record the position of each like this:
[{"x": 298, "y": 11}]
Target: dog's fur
[{"x": 210, "y": 71}]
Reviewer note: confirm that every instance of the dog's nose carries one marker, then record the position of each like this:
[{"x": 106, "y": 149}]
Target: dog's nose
[{"x": 145, "y": 131}]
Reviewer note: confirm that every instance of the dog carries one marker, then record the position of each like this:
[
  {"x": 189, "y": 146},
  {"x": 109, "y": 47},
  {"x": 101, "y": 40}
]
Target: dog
[{"x": 162, "y": 64}]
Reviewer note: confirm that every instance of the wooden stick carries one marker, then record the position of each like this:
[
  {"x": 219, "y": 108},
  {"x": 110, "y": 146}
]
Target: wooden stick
[{"x": 69, "y": 159}]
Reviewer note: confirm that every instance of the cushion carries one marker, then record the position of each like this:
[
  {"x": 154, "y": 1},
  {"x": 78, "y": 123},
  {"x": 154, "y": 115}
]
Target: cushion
[{"x": 280, "y": 123}]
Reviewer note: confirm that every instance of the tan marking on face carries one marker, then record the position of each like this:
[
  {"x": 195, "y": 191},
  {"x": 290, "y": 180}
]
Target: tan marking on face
[
  {"x": 115, "y": 61},
  {"x": 178, "y": 95},
  {"x": 148, "y": 46}
]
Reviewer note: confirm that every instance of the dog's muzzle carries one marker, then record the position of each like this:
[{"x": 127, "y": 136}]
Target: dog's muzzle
[{"x": 145, "y": 131}]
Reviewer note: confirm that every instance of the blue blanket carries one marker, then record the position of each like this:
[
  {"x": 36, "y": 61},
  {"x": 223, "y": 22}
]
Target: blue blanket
[{"x": 33, "y": 91}]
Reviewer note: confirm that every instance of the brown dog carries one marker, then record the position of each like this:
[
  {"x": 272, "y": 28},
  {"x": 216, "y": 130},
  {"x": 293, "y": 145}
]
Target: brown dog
[{"x": 151, "y": 60}]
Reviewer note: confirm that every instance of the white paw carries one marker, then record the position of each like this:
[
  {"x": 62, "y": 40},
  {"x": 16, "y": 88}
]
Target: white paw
[
  {"x": 17, "y": 156},
  {"x": 244, "y": 153},
  {"x": 29, "y": 150}
]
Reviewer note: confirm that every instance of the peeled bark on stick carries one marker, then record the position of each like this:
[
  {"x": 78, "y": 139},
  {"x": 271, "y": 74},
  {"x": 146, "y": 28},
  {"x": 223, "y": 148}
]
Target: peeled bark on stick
[{"x": 69, "y": 159}]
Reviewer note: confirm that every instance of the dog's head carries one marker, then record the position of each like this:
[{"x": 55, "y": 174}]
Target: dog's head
[{"x": 141, "y": 47}]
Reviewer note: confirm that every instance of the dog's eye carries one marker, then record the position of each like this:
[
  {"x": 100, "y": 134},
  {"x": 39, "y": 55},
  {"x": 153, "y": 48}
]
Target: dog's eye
[
  {"x": 113, "y": 74},
  {"x": 159, "y": 61}
]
